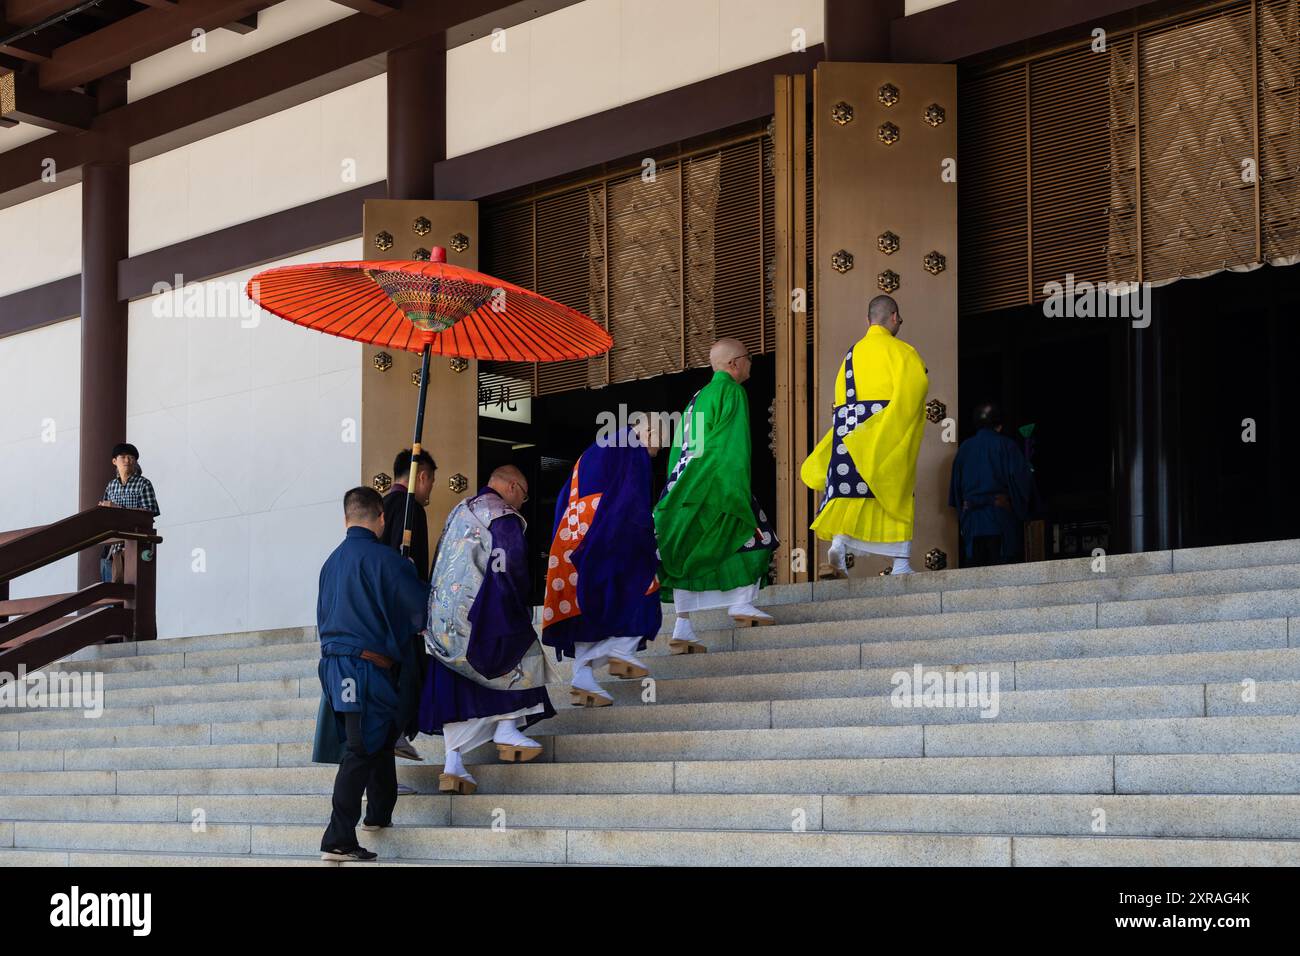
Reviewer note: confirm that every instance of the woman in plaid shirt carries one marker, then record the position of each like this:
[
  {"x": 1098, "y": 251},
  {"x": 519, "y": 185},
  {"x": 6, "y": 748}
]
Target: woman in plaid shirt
[{"x": 127, "y": 489}]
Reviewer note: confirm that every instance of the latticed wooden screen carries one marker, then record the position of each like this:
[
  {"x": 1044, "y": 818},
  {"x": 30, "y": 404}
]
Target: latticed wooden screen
[
  {"x": 1173, "y": 153},
  {"x": 667, "y": 265}
]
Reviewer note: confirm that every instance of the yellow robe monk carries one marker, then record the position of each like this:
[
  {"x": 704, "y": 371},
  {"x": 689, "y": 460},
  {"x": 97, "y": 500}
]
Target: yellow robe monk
[{"x": 865, "y": 466}]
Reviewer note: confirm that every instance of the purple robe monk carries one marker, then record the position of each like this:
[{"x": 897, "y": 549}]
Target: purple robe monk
[
  {"x": 486, "y": 677},
  {"x": 602, "y": 597}
]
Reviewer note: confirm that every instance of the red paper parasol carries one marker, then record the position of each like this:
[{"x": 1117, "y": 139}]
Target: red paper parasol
[
  {"x": 429, "y": 307},
  {"x": 404, "y": 304}
]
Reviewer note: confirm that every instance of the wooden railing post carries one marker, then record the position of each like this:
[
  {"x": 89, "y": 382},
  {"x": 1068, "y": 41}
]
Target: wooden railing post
[{"x": 140, "y": 570}]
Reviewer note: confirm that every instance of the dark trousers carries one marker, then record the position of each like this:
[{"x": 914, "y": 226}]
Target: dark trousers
[
  {"x": 986, "y": 549},
  {"x": 375, "y": 774}
]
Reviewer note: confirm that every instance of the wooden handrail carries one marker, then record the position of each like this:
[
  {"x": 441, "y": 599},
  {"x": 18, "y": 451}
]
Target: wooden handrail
[
  {"x": 56, "y": 625},
  {"x": 6, "y": 536},
  {"x": 62, "y": 606},
  {"x": 65, "y": 638},
  {"x": 36, "y": 547},
  {"x": 28, "y": 605}
]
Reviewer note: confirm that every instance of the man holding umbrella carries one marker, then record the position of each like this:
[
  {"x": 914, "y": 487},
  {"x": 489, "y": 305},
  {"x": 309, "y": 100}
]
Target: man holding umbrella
[{"x": 404, "y": 510}]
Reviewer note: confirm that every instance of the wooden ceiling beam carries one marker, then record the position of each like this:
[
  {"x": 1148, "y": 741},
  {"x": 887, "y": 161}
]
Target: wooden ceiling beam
[
  {"x": 38, "y": 47},
  {"x": 26, "y": 12},
  {"x": 23, "y": 101},
  {"x": 303, "y": 68},
  {"x": 136, "y": 37}
]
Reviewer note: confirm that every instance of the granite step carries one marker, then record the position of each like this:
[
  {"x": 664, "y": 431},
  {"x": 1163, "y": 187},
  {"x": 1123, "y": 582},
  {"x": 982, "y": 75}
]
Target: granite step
[
  {"x": 1231, "y": 816},
  {"x": 1075, "y": 774},
  {"x": 268, "y": 700},
  {"x": 1090, "y": 642},
  {"x": 1182, "y": 700},
  {"x": 607, "y": 846},
  {"x": 1196, "y": 815}
]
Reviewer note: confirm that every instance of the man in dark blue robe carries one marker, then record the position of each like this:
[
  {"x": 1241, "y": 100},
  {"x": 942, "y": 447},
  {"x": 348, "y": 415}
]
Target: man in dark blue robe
[
  {"x": 370, "y": 601},
  {"x": 991, "y": 489},
  {"x": 476, "y": 688},
  {"x": 397, "y": 524},
  {"x": 602, "y": 597}
]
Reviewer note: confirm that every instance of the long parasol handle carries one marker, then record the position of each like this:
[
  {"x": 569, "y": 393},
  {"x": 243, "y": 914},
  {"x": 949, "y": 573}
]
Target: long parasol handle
[{"x": 415, "y": 452}]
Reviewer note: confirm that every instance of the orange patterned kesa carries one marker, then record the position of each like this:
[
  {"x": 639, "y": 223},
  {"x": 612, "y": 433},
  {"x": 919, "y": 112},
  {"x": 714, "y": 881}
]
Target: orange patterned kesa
[{"x": 561, "y": 575}]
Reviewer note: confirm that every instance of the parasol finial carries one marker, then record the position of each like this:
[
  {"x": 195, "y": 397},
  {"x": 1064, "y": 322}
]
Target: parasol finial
[{"x": 438, "y": 254}]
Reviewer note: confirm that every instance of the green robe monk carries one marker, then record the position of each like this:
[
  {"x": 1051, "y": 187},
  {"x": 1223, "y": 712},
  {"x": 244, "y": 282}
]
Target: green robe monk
[{"x": 715, "y": 542}]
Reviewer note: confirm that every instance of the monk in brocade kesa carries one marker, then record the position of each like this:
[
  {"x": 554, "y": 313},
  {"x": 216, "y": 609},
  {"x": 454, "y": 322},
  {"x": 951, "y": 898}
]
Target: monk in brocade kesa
[
  {"x": 715, "y": 542},
  {"x": 865, "y": 466}
]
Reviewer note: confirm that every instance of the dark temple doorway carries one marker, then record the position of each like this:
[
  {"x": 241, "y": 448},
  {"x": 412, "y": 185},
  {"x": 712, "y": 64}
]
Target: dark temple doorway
[
  {"x": 1052, "y": 379},
  {"x": 1176, "y": 435}
]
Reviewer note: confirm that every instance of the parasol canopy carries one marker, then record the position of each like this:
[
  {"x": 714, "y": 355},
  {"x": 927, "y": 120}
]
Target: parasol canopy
[
  {"x": 407, "y": 304},
  {"x": 430, "y": 307}
]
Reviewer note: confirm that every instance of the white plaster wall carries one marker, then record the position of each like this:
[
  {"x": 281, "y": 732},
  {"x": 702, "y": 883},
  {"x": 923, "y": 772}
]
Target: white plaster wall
[
  {"x": 40, "y": 240},
  {"x": 40, "y": 394},
  {"x": 325, "y": 146},
  {"x": 242, "y": 426},
  {"x": 600, "y": 54}
]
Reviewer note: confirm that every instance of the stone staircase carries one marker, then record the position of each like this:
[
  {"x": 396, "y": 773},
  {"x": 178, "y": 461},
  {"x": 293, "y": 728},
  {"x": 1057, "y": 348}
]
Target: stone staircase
[{"x": 1148, "y": 715}]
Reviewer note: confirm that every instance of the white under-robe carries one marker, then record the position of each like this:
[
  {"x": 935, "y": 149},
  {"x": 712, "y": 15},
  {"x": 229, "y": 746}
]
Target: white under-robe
[
  {"x": 686, "y": 601},
  {"x": 890, "y": 549},
  {"x": 597, "y": 653},
  {"x": 465, "y": 735}
]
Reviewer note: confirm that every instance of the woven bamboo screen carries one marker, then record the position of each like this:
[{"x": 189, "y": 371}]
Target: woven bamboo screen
[
  {"x": 1173, "y": 153},
  {"x": 667, "y": 265}
]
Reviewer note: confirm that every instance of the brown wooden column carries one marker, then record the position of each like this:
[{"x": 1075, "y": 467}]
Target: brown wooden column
[
  {"x": 413, "y": 220},
  {"x": 858, "y": 30},
  {"x": 417, "y": 116},
  {"x": 105, "y": 234}
]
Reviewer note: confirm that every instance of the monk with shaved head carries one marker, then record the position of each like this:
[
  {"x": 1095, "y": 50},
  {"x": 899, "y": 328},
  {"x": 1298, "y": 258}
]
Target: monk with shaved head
[
  {"x": 487, "y": 675},
  {"x": 865, "y": 464},
  {"x": 715, "y": 542}
]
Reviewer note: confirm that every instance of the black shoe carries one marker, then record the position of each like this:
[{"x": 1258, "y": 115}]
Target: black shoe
[
  {"x": 358, "y": 854},
  {"x": 368, "y": 826}
]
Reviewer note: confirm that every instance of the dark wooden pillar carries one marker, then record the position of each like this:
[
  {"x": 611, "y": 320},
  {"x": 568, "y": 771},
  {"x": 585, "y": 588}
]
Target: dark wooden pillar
[
  {"x": 858, "y": 30},
  {"x": 105, "y": 233},
  {"x": 417, "y": 117}
]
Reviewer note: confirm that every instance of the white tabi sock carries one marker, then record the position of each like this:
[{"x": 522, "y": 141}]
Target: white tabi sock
[
  {"x": 454, "y": 765},
  {"x": 748, "y": 610},
  {"x": 836, "y": 556},
  {"x": 902, "y": 566},
  {"x": 584, "y": 679},
  {"x": 682, "y": 630},
  {"x": 508, "y": 733},
  {"x": 625, "y": 649}
]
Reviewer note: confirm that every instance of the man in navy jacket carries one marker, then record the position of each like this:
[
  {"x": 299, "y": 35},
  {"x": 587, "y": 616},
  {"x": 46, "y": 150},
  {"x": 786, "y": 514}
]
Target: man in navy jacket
[{"x": 371, "y": 600}]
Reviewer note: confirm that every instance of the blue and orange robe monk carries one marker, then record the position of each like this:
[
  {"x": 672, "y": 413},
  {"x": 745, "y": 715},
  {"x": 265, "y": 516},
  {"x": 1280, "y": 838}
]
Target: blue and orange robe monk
[{"x": 600, "y": 579}]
